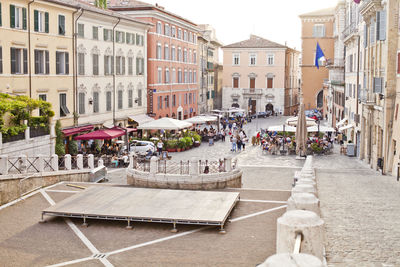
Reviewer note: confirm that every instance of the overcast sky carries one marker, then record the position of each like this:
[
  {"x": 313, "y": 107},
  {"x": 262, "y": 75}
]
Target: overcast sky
[{"x": 235, "y": 20}]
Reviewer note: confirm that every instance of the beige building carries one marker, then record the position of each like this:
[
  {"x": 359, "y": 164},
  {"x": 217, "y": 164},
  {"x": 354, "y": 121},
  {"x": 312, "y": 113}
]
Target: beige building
[
  {"x": 36, "y": 52},
  {"x": 318, "y": 27},
  {"x": 260, "y": 75}
]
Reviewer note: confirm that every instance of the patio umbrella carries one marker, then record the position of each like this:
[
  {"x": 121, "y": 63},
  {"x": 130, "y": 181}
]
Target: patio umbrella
[
  {"x": 293, "y": 121},
  {"x": 301, "y": 133},
  {"x": 323, "y": 129},
  {"x": 282, "y": 128},
  {"x": 196, "y": 120},
  {"x": 103, "y": 134},
  {"x": 165, "y": 124}
]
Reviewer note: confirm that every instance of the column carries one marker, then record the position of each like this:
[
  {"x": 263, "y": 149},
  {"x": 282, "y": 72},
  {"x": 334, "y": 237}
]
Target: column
[{"x": 67, "y": 162}]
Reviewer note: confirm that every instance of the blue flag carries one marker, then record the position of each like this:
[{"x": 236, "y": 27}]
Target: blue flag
[{"x": 319, "y": 56}]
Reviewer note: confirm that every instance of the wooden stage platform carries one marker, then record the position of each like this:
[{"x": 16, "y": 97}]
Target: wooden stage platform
[{"x": 147, "y": 205}]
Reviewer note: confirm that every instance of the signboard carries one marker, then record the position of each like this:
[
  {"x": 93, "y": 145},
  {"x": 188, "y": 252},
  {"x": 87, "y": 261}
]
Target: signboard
[{"x": 150, "y": 97}]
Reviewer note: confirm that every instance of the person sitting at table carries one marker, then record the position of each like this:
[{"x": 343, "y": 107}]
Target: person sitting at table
[
  {"x": 206, "y": 169},
  {"x": 114, "y": 160},
  {"x": 125, "y": 160},
  {"x": 165, "y": 155},
  {"x": 149, "y": 154}
]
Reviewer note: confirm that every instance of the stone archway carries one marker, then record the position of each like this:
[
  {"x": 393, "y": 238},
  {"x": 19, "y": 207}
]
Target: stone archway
[
  {"x": 320, "y": 99},
  {"x": 235, "y": 105},
  {"x": 269, "y": 106}
]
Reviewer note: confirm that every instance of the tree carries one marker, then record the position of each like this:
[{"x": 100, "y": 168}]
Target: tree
[
  {"x": 101, "y": 3},
  {"x": 60, "y": 148}
]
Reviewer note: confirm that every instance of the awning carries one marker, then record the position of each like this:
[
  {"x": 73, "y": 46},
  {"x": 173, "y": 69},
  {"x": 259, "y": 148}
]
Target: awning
[
  {"x": 282, "y": 128},
  {"x": 165, "y": 124},
  {"x": 76, "y": 130},
  {"x": 293, "y": 121},
  {"x": 341, "y": 122},
  {"x": 103, "y": 134},
  {"x": 141, "y": 118},
  {"x": 346, "y": 127},
  {"x": 322, "y": 128}
]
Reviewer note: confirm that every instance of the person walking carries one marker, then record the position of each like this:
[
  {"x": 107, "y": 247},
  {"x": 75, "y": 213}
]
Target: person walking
[
  {"x": 160, "y": 145},
  {"x": 239, "y": 143},
  {"x": 223, "y": 135},
  {"x": 233, "y": 141}
]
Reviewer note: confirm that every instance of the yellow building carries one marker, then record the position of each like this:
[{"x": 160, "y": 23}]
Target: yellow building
[{"x": 36, "y": 53}]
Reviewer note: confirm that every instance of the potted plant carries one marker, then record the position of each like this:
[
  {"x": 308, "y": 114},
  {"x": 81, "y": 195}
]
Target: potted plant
[
  {"x": 181, "y": 145},
  {"x": 172, "y": 145}
]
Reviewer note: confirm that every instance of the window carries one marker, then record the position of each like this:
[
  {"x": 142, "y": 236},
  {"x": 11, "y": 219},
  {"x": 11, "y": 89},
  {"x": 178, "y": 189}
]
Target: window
[
  {"x": 139, "y": 97},
  {"x": 61, "y": 25},
  {"x": 159, "y": 75},
  {"x": 166, "y": 30},
  {"x": 108, "y": 101},
  {"x": 179, "y": 76},
  {"x": 1, "y": 59},
  {"x": 17, "y": 17},
  {"x": 167, "y": 76},
  {"x": 160, "y": 102},
  {"x": 81, "y": 107},
  {"x": 184, "y": 55},
  {"x": 194, "y": 57},
  {"x": 19, "y": 61},
  {"x": 62, "y": 63},
  {"x": 120, "y": 99},
  {"x": 372, "y": 32},
  {"x": 194, "y": 76},
  {"x": 42, "y": 62},
  {"x": 179, "y": 54},
  {"x": 81, "y": 63},
  {"x": 173, "y": 31},
  {"x": 107, "y": 35},
  {"x": 130, "y": 38},
  {"x": 173, "y": 80},
  {"x": 108, "y": 65},
  {"x": 95, "y": 64},
  {"x": 186, "y": 99},
  {"x": 158, "y": 27},
  {"x": 190, "y": 55},
  {"x": 190, "y": 98},
  {"x": 381, "y": 25},
  {"x": 179, "y": 34},
  {"x": 95, "y": 33},
  {"x": 158, "y": 52},
  {"x": 63, "y": 105},
  {"x": 120, "y": 65},
  {"x": 173, "y": 100},
  {"x": 81, "y": 30},
  {"x": 190, "y": 76},
  {"x": 185, "y": 36},
  {"x": 235, "y": 82},
  {"x": 95, "y": 102},
  {"x": 42, "y": 97},
  {"x": 166, "y": 52},
  {"x": 139, "y": 66},
  {"x": 185, "y": 76},
  {"x": 236, "y": 59},
  {"x": 270, "y": 82},
  {"x": 130, "y": 65},
  {"x": 173, "y": 54},
  {"x": 319, "y": 30},
  {"x": 253, "y": 59},
  {"x": 120, "y": 37},
  {"x": 194, "y": 41},
  {"x": 139, "y": 39},
  {"x": 130, "y": 98},
  {"x": 270, "y": 59},
  {"x": 167, "y": 101}
]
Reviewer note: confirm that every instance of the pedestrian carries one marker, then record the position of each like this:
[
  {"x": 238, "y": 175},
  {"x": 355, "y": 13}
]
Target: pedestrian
[
  {"x": 233, "y": 141},
  {"x": 223, "y": 135},
  {"x": 239, "y": 143},
  {"x": 160, "y": 145}
]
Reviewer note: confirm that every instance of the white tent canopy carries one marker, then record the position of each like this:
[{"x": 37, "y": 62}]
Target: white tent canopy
[
  {"x": 141, "y": 118},
  {"x": 196, "y": 120},
  {"x": 346, "y": 127},
  {"x": 165, "y": 124},
  {"x": 323, "y": 129},
  {"x": 293, "y": 121},
  {"x": 208, "y": 118},
  {"x": 340, "y": 123},
  {"x": 281, "y": 128}
]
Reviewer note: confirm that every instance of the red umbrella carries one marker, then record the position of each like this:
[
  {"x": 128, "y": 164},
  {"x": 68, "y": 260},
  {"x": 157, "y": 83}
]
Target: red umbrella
[{"x": 102, "y": 134}]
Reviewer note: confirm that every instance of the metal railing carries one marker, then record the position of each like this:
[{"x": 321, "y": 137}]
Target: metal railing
[
  {"x": 171, "y": 167},
  {"x": 47, "y": 164},
  {"x": 143, "y": 166},
  {"x": 349, "y": 30},
  {"x": 251, "y": 91},
  {"x": 206, "y": 166}
]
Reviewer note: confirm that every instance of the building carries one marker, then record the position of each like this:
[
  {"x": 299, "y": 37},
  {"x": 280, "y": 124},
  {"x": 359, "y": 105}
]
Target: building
[
  {"x": 318, "y": 27},
  {"x": 218, "y": 86},
  {"x": 260, "y": 75},
  {"x": 110, "y": 94},
  {"x": 172, "y": 59},
  {"x": 208, "y": 47},
  {"x": 36, "y": 53}
]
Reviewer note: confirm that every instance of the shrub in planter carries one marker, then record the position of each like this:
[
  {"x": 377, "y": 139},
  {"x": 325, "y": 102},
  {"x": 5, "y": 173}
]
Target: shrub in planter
[
  {"x": 181, "y": 144},
  {"x": 188, "y": 142},
  {"x": 316, "y": 148},
  {"x": 172, "y": 145}
]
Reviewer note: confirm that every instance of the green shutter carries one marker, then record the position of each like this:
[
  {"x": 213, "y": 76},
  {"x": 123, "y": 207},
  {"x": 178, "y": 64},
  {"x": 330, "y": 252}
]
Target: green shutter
[
  {"x": 46, "y": 22},
  {"x": 61, "y": 25},
  {"x": 57, "y": 62},
  {"x": 105, "y": 34},
  {"x": 47, "y": 62},
  {"x": 66, "y": 63},
  {"x": 36, "y": 20},
  {"x": 0, "y": 14},
  {"x": 12, "y": 16},
  {"x": 25, "y": 58},
  {"x": 24, "y": 18}
]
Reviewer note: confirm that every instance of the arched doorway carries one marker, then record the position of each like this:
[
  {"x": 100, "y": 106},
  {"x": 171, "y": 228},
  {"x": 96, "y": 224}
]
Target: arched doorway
[
  {"x": 320, "y": 99},
  {"x": 235, "y": 105},
  {"x": 269, "y": 106}
]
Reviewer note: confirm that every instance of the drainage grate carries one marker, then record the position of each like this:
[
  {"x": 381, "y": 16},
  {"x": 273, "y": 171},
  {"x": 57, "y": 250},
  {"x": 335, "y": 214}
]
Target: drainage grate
[{"x": 99, "y": 256}]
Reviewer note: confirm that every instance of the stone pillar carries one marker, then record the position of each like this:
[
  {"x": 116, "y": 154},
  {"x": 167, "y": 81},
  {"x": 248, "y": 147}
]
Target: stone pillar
[
  {"x": 67, "y": 162},
  {"x": 52, "y": 138},
  {"x": 40, "y": 163},
  {"x": 132, "y": 161},
  {"x": 292, "y": 260},
  {"x": 228, "y": 163},
  {"x": 100, "y": 163},
  {"x": 54, "y": 162},
  {"x": 3, "y": 164},
  {"x": 53, "y": 130},
  {"x": 27, "y": 133},
  {"x": 304, "y": 188},
  {"x": 194, "y": 166},
  {"x": 91, "y": 161},
  {"x": 308, "y": 224},
  {"x": 153, "y": 164},
  {"x": 303, "y": 201},
  {"x": 23, "y": 163},
  {"x": 79, "y": 161}
]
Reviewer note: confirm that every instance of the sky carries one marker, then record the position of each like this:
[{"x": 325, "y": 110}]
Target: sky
[{"x": 235, "y": 20}]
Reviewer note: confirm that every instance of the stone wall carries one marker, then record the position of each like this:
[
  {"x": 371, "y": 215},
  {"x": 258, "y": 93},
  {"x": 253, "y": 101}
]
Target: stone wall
[{"x": 29, "y": 147}]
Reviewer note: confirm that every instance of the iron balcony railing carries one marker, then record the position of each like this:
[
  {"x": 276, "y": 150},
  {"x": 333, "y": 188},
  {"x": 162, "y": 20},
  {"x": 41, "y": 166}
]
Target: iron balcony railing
[
  {"x": 349, "y": 30},
  {"x": 252, "y": 91}
]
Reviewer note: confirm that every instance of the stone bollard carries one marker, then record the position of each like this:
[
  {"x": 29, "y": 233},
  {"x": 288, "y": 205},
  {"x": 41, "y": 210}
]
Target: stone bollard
[
  {"x": 194, "y": 167},
  {"x": 292, "y": 260},
  {"x": 306, "y": 181},
  {"x": 40, "y": 163},
  {"x": 53, "y": 130},
  {"x": 27, "y": 133},
  {"x": 91, "y": 161},
  {"x": 79, "y": 161},
  {"x": 23, "y": 163},
  {"x": 153, "y": 164},
  {"x": 132, "y": 161},
  {"x": 306, "y": 223},
  {"x": 303, "y": 201},
  {"x": 228, "y": 163},
  {"x": 304, "y": 188},
  {"x": 3, "y": 164},
  {"x": 67, "y": 162},
  {"x": 54, "y": 162}
]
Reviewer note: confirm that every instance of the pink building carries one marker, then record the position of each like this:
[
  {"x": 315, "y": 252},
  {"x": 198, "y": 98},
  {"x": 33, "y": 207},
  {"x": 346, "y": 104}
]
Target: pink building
[{"x": 172, "y": 60}]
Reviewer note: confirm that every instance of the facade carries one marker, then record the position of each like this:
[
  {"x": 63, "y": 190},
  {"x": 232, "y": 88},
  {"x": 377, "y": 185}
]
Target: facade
[
  {"x": 208, "y": 47},
  {"x": 260, "y": 75},
  {"x": 172, "y": 60},
  {"x": 34, "y": 37},
  {"x": 318, "y": 27},
  {"x": 108, "y": 93}
]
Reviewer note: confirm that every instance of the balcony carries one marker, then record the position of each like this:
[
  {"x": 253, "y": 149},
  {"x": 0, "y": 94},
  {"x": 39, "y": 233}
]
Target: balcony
[
  {"x": 210, "y": 66},
  {"x": 350, "y": 31},
  {"x": 368, "y": 8},
  {"x": 252, "y": 92},
  {"x": 336, "y": 78},
  {"x": 335, "y": 63},
  {"x": 367, "y": 98}
]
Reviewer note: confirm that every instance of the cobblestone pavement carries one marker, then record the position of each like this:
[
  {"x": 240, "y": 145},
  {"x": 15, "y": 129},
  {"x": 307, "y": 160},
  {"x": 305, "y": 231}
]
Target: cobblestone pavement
[{"x": 361, "y": 209}]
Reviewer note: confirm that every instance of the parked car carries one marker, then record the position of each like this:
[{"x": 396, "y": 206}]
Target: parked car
[
  {"x": 261, "y": 114},
  {"x": 141, "y": 147},
  {"x": 314, "y": 114}
]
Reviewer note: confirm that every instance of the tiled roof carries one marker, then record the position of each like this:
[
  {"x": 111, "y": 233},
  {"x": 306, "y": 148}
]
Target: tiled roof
[
  {"x": 255, "y": 42},
  {"x": 322, "y": 12}
]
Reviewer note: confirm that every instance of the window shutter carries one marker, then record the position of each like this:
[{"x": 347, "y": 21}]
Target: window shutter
[
  {"x": 61, "y": 24},
  {"x": 46, "y": 22},
  {"x": 1, "y": 60},
  {"x": 112, "y": 65},
  {"x": 36, "y": 62},
  {"x": 25, "y": 59},
  {"x": 105, "y": 66},
  {"x": 323, "y": 31},
  {"x": 66, "y": 63},
  {"x": 378, "y": 23},
  {"x": 47, "y": 62},
  {"x": 128, "y": 38},
  {"x": 378, "y": 85},
  {"x": 24, "y": 18},
  {"x": 36, "y": 20},
  {"x": 0, "y": 15},
  {"x": 12, "y": 16},
  {"x": 123, "y": 65},
  {"x": 382, "y": 25},
  {"x": 13, "y": 63},
  {"x": 137, "y": 66},
  {"x": 123, "y": 37},
  {"x": 57, "y": 62},
  {"x": 105, "y": 34}
]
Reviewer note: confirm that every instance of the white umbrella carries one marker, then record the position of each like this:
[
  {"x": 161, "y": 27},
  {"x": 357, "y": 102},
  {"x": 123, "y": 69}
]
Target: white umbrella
[
  {"x": 282, "y": 128},
  {"x": 323, "y": 129},
  {"x": 208, "y": 118},
  {"x": 293, "y": 121},
  {"x": 196, "y": 120},
  {"x": 165, "y": 124}
]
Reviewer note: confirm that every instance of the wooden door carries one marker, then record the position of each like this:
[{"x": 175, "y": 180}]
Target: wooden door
[
  {"x": 252, "y": 83},
  {"x": 253, "y": 106}
]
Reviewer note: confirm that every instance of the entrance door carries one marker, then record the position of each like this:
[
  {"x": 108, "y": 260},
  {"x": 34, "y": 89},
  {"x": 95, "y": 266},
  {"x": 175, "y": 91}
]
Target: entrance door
[
  {"x": 253, "y": 106},
  {"x": 252, "y": 84}
]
